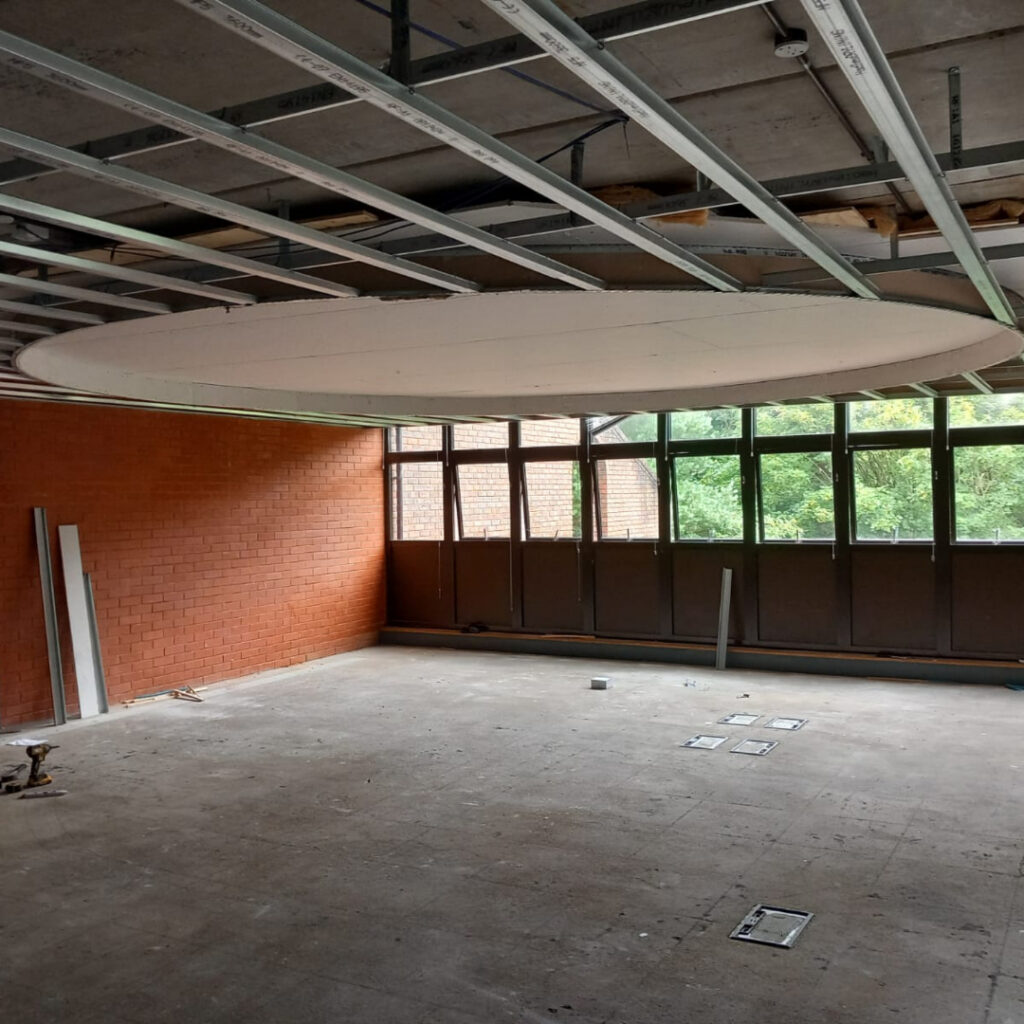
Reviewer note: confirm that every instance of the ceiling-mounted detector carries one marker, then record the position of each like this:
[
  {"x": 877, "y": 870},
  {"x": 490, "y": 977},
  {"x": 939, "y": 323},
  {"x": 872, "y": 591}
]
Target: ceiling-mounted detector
[{"x": 791, "y": 43}]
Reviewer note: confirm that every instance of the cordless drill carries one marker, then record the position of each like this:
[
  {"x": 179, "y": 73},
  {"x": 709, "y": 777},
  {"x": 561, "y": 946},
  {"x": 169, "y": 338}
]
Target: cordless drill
[{"x": 37, "y": 755}]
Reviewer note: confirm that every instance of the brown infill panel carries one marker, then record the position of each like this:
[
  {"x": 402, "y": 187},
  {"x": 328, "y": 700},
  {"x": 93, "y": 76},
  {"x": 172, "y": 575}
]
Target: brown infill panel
[
  {"x": 626, "y": 588},
  {"x": 893, "y": 599},
  {"x": 796, "y": 594},
  {"x": 552, "y": 588},
  {"x": 414, "y": 574},
  {"x": 697, "y": 588},
  {"x": 988, "y": 613},
  {"x": 482, "y": 583}
]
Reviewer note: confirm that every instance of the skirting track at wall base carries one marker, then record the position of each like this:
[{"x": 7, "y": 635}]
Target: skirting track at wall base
[{"x": 934, "y": 670}]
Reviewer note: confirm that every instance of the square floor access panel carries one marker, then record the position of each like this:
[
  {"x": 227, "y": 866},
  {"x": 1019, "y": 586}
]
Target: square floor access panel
[{"x": 772, "y": 926}]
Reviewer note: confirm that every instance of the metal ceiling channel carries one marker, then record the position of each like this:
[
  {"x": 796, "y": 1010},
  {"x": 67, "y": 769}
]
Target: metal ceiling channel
[
  {"x": 36, "y": 309},
  {"x": 267, "y": 28},
  {"x": 185, "y": 250},
  {"x": 179, "y": 195},
  {"x": 557, "y": 33},
  {"x": 493, "y": 54},
  {"x": 66, "y": 291},
  {"x": 19, "y": 327},
  {"x": 116, "y": 270},
  {"x": 852, "y": 42},
  {"x": 105, "y": 88}
]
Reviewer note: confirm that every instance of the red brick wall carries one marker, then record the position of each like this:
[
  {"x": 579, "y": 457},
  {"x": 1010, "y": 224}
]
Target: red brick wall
[{"x": 218, "y": 546}]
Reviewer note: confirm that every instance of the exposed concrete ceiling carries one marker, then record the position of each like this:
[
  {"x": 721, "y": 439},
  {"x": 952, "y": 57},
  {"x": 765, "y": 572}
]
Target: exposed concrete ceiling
[{"x": 720, "y": 72}]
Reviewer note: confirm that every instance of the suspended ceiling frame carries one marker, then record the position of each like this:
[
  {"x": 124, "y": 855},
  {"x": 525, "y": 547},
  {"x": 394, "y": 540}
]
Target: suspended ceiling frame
[{"x": 506, "y": 52}]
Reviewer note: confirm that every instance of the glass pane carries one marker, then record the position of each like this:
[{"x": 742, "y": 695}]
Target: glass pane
[
  {"x": 552, "y": 499},
  {"x": 641, "y": 427},
  {"x": 416, "y": 501},
  {"x": 795, "y": 419},
  {"x": 893, "y": 494},
  {"x": 796, "y": 496},
  {"x": 698, "y": 423},
  {"x": 481, "y": 435},
  {"x": 414, "y": 439},
  {"x": 989, "y": 492},
  {"x": 893, "y": 414},
  {"x": 985, "y": 410},
  {"x": 626, "y": 499},
  {"x": 482, "y": 501},
  {"x": 707, "y": 498},
  {"x": 533, "y": 433}
]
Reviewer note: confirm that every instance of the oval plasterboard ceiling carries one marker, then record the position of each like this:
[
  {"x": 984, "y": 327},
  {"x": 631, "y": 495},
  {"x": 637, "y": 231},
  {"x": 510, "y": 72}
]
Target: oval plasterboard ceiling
[{"x": 521, "y": 353}]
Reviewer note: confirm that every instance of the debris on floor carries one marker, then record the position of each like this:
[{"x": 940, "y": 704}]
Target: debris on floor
[
  {"x": 43, "y": 793},
  {"x": 599, "y": 682},
  {"x": 178, "y": 693}
]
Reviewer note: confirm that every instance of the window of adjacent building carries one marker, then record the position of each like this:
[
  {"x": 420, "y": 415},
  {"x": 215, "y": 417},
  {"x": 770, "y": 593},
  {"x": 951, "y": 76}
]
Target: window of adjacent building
[
  {"x": 775, "y": 420},
  {"x": 417, "y": 506},
  {"x": 625, "y": 499},
  {"x": 892, "y": 414},
  {"x": 482, "y": 501},
  {"x": 796, "y": 496},
  {"x": 414, "y": 439},
  {"x": 986, "y": 410},
  {"x": 988, "y": 483},
  {"x": 537, "y": 433},
  {"x": 552, "y": 500},
  {"x": 695, "y": 424},
  {"x": 481, "y": 435},
  {"x": 706, "y": 496},
  {"x": 892, "y": 491},
  {"x": 620, "y": 430}
]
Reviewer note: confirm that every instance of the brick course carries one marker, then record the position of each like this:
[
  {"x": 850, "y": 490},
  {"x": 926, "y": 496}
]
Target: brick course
[{"x": 218, "y": 546}]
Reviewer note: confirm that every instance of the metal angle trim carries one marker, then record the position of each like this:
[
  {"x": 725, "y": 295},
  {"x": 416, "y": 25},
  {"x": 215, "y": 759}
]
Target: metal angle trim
[
  {"x": 186, "y": 250},
  {"x": 140, "y": 102},
  {"x": 585, "y": 57},
  {"x": 116, "y": 270},
  {"x": 851, "y": 40},
  {"x": 179, "y": 195},
  {"x": 269, "y": 29},
  {"x": 34, "y": 284}
]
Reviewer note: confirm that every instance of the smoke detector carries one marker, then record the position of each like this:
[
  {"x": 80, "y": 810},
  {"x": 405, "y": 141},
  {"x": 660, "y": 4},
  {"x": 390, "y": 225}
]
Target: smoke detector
[{"x": 791, "y": 43}]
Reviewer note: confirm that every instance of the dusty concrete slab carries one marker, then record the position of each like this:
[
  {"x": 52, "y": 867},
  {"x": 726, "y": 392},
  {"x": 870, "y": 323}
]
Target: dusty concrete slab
[{"x": 425, "y": 836}]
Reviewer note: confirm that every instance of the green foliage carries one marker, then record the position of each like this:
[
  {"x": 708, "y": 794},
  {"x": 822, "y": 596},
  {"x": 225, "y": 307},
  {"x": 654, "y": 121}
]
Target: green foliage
[
  {"x": 795, "y": 419},
  {"x": 705, "y": 423},
  {"x": 708, "y": 498},
  {"x": 989, "y": 489},
  {"x": 985, "y": 410},
  {"x": 893, "y": 494},
  {"x": 796, "y": 496}
]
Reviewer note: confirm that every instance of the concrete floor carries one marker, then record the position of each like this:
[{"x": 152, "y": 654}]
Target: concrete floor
[{"x": 432, "y": 837}]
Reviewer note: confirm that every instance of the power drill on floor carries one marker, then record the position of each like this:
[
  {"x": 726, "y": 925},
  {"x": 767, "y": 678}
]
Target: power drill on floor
[{"x": 36, "y": 778}]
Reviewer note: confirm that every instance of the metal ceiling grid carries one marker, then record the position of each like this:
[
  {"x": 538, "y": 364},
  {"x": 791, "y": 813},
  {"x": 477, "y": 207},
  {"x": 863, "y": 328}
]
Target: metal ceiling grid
[
  {"x": 588, "y": 59},
  {"x": 852, "y": 42},
  {"x": 179, "y": 195},
  {"x": 135, "y": 100},
  {"x": 265, "y": 27}
]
